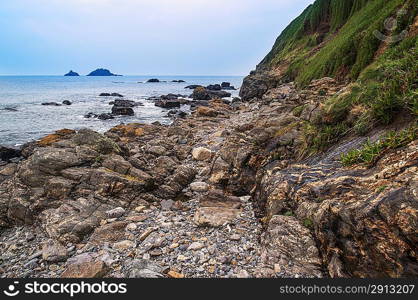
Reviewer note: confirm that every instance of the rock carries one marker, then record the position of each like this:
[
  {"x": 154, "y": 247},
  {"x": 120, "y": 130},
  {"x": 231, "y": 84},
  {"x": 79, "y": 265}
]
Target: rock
[
  {"x": 214, "y": 87},
  {"x": 101, "y": 72},
  {"x": 195, "y": 246},
  {"x": 192, "y": 87},
  {"x": 199, "y": 187},
  {"x": 109, "y": 233},
  {"x": 284, "y": 236},
  {"x": 201, "y": 154},
  {"x": 66, "y": 102},
  {"x": 103, "y": 116},
  {"x": 167, "y": 204},
  {"x": 215, "y": 216},
  {"x": 52, "y": 251},
  {"x": 176, "y": 275},
  {"x": 115, "y": 213},
  {"x": 217, "y": 198},
  {"x": 200, "y": 93},
  {"x": 71, "y": 73},
  {"x": 243, "y": 274},
  {"x": 153, "y": 80},
  {"x": 178, "y": 81},
  {"x": 124, "y": 245},
  {"x": 143, "y": 269},
  {"x": 168, "y": 103},
  {"x": 227, "y": 86},
  {"x": 51, "y": 104},
  {"x": 122, "y": 111},
  {"x": 7, "y": 153},
  {"x": 111, "y": 95},
  {"x": 206, "y": 112},
  {"x": 89, "y": 269}
]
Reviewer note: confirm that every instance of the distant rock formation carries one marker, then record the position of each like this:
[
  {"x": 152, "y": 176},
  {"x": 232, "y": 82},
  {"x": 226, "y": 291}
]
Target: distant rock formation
[
  {"x": 102, "y": 72},
  {"x": 153, "y": 80},
  {"x": 72, "y": 73}
]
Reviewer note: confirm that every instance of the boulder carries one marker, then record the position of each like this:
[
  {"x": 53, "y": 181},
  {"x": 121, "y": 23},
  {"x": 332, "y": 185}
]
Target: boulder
[
  {"x": 53, "y": 252},
  {"x": 215, "y": 216},
  {"x": 7, "y": 153},
  {"x": 153, "y": 80},
  {"x": 122, "y": 111},
  {"x": 193, "y": 86},
  {"x": 201, "y": 154},
  {"x": 142, "y": 268},
  {"x": 214, "y": 87},
  {"x": 168, "y": 104},
  {"x": 66, "y": 102},
  {"x": 89, "y": 269}
]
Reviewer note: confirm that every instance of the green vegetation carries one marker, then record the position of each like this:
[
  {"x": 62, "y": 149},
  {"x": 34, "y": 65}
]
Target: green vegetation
[
  {"x": 371, "y": 152},
  {"x": 347, "y": 26},
  {"x": 308, "y": 223}
]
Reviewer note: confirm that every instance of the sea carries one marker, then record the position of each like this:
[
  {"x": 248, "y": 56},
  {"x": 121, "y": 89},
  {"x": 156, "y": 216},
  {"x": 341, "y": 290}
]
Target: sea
[{"x": 23, "y": 118}]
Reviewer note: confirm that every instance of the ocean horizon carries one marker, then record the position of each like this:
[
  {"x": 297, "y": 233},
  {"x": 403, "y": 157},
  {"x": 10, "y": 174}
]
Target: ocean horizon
[{"x": 23, "y": 118}]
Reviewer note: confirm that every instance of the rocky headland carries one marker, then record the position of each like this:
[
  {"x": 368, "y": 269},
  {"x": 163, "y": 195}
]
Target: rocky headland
[{"x": 296, "y": 179}]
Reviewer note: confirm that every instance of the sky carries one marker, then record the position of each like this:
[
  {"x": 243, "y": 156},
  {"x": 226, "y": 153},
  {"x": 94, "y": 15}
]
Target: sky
[{"x": 140, "y": 37}]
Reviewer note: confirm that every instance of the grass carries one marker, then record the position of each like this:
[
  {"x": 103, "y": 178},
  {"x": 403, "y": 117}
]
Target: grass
[
  {"x": 347, "y": 26},
  {"x": 371, "y": 152}
]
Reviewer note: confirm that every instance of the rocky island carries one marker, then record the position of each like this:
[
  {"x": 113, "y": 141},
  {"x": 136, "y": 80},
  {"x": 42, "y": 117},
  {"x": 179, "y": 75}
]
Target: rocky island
[
  {"x": 102, "y": 72},
  {"x": 72, "y": 73},
  {"x": 312, "y": 173}
]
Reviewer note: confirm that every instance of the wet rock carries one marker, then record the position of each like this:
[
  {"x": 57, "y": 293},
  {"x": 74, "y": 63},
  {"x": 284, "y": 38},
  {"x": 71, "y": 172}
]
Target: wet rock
[
  {"x": 7, "y": 153},
  {"x": 153, "y": 80},
  {"x": 122, "y": 111},
  {"x": 66, "y": 102}
]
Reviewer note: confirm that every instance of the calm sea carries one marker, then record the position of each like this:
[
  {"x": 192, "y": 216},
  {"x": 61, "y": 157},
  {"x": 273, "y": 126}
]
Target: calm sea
[{"x": 31, "y": 120}]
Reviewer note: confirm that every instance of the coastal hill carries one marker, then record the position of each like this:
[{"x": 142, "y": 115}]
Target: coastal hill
[
  {"x": 312, "y": 173},
  {"x": 72, "y": 73},
  {"x": 102, "y": 72}
]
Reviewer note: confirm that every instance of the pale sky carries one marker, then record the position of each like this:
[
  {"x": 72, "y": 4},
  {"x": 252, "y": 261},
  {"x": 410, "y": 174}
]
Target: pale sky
[{"x": 138, "y": 37}]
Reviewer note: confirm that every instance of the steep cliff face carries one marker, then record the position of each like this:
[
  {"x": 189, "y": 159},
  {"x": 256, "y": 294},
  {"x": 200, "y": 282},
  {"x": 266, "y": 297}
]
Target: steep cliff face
[{"x": 335, "y": 38}]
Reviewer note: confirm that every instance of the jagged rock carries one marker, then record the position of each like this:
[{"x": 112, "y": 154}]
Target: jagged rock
[
  {"x": 7, "y": 153},
  {"x": 217, "y": 198}
]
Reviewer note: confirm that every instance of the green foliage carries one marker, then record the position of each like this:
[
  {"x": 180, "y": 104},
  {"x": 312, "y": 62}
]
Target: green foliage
[
  {"x": 297, "y": 111},
  {"x": 371, "y": 152},
  {"x": 308, "y": 223}
]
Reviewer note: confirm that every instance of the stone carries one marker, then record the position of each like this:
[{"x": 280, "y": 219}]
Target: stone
[
  {"x": 206, "y": 112},
  {"x": 176, "y": 275},
  {"x": 116, "y": 213},
  {"x": 195, "y": 246},
  {"x": 53, "y": 251},
  {"x": 124, "y": 245},
  {"x": 142, "y": 268},
  {"x": 215, "y": 216},
  {"x": 201, "y": 154},
  {"x": 199, "y": 187},
  {"x": 90, "y": 269}
]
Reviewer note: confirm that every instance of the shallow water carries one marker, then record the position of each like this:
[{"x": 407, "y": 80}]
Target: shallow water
[{"x": 31, "y": 120}]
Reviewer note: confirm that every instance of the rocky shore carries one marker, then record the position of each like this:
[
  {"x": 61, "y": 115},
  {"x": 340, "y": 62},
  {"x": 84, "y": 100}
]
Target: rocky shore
[{"x": 220, "y": 193}]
